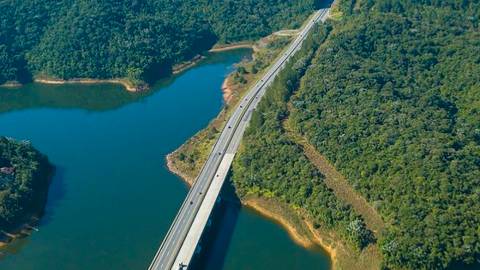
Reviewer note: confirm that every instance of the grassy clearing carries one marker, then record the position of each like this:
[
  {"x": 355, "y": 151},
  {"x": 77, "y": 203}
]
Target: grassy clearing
[
  {"x": 337, "y": 182},
  {"x": 335, "y": 12}
]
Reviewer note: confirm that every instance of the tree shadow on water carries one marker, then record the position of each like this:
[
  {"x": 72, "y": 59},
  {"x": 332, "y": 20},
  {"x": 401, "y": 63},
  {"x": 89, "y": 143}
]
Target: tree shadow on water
[
  {"x": 323, "y": 3},
  {"x": 218, "y": 235},
  {"x": 56, "y": 194},
  {"x": 463, "y": 266}
]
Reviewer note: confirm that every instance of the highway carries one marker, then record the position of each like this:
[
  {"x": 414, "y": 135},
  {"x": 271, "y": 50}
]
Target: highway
[{"x": 180, "y": 242}]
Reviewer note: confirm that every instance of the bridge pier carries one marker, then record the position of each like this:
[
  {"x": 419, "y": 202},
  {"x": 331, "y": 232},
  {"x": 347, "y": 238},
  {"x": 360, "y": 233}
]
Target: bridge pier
[{"x": 217, "y": 236}]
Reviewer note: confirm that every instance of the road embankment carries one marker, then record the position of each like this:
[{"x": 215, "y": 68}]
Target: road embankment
[{"x": 227, "y": 90}]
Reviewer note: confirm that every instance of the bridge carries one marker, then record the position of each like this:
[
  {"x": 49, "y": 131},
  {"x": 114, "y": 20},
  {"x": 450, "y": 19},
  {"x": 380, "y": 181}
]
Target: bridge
[{"x": 183, "y": 237}]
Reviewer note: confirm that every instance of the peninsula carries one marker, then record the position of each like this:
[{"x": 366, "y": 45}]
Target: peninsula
[{"x": 24, "y": 180}]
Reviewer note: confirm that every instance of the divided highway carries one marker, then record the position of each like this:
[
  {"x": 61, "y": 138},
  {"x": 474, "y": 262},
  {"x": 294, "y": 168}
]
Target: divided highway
[{"x": 182, "y": 238}]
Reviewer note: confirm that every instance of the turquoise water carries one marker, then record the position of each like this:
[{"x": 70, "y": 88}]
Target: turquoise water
[{"x": 112, "y": 198}]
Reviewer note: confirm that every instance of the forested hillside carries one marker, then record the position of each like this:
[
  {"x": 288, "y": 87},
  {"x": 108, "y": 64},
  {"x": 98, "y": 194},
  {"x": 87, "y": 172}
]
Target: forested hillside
[
  {"x": 392, "y": 99},
  {"x": 271, "y": 165},
  {"x": 138, "y": 40},
  {"x": 24, "y": 181}
]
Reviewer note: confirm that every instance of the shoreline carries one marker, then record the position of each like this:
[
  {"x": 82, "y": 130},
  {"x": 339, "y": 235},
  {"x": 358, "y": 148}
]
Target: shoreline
[
  {"x": 176, "y": 69},
  {"x": 227, "y": 90},
  {"x": 128, "y": 86},
  {"x": 305, "y": 241},
  {"x": 171, "y": 167},
  {"x": 32, "y": 218},
  {"x": 256, "y": 204},
  {"x": 234, "y": 46},
  {"x": 292, "y": 231},
  {"x": 20, "y": 232},
  {"x": 181, "y": 67},
  {"x": 11, "y": 84}
]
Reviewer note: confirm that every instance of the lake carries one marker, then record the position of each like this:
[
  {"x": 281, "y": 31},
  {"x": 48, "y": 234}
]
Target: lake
[{"x": 112, "y": 199}]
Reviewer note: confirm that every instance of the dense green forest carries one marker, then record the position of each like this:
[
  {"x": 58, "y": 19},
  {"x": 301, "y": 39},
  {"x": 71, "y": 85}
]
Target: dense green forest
[
  {"x": 24, "y": 180},
  {"x": 139, "y": 40},
  {"x": 271, "y": 165},
  {"x": 392, "y": 99}
]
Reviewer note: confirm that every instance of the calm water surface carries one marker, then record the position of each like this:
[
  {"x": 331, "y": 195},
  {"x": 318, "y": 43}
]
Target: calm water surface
[{"x": 112, "y": 199}]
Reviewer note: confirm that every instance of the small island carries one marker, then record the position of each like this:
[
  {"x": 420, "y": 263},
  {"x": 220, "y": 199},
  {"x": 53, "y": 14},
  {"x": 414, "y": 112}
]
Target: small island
[{"x": 25, "y": 175}]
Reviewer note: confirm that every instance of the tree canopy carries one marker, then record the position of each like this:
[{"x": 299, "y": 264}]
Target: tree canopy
[
  {"x": 393, "y": 100},
  {"x": 272, "y": 165},
  {"x": 24, "y": 182},
  {"x": 137, "y": 40}
]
